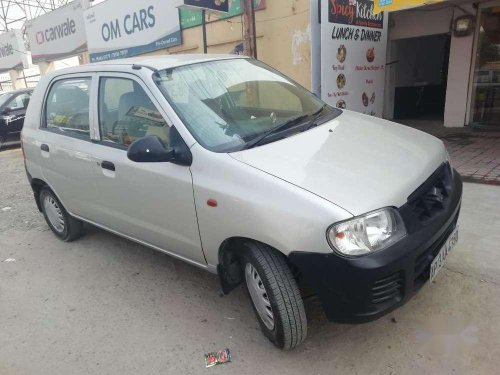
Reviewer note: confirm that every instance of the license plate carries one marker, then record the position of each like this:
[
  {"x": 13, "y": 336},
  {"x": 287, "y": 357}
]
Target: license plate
[{"x": 438, "y": 261}]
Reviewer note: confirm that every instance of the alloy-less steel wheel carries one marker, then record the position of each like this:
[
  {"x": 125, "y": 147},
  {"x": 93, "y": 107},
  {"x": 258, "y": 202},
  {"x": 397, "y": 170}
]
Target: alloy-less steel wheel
[
  {"x": 275, "y": 295},
  {"x": 62, "y": 224}
]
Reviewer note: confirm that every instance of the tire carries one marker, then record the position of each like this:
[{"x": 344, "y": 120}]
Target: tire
[
  {"x": 272, "y": 287},
  {"x": 64, "y": 226},
  {"x": 2, "y": 141}
]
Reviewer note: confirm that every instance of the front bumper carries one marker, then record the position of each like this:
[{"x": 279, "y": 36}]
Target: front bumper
[{"x": 357, "y": 290}]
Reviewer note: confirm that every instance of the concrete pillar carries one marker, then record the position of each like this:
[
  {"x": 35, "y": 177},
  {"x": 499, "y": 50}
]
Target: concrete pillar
[
  {"x": 84, "y": 58},
  {"x": 46, "y": 67},
  {"x": 390, "y": 79},
  {"x": 459, "y": 69},
  {"x": 16, "y": 82}
]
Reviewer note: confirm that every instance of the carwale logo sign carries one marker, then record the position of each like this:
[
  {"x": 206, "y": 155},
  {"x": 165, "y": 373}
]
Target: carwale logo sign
[
  {"x": 13, "y": 54},
  {"x": 40, "y": 39},
  {"x": 58, "y": 34},
  {"x": 59, "y": 31}
]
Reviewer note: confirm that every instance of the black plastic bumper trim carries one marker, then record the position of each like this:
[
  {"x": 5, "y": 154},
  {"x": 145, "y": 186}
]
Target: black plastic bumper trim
[{"x": 346, "y": 286}]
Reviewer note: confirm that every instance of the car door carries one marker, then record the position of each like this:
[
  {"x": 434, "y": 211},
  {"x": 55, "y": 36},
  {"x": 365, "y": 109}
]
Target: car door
[
  {"x": 149, "y": 202},
  {"x": 64, "y": 141},
  {"x": 14, "y": 117}
]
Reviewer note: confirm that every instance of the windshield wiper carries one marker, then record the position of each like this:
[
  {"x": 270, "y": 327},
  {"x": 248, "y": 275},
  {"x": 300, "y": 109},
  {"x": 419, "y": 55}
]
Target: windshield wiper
[
  {"x": 288, "y": 124},
  {"x": 316, "y": 115}
]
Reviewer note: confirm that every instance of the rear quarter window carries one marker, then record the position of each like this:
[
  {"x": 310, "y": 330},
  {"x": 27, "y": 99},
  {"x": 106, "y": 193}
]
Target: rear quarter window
[{"x": 67, "y": 107}]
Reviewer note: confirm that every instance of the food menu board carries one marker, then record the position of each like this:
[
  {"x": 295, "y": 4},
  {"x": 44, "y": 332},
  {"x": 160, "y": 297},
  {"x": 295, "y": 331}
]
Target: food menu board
[{"x": 353, "y": 55}]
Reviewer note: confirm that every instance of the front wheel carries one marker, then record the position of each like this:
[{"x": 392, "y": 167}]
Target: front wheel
[{"x": 275, "y": 296}]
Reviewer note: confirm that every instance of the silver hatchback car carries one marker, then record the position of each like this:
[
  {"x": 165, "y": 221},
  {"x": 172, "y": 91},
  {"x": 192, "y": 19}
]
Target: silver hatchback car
[{"x": 227, "y": 164}]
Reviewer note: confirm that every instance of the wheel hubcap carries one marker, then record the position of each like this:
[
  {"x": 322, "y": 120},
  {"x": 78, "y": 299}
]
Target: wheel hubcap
[
  {"x": 259, "y": 296},
  {"x": 54, "y": 213}
]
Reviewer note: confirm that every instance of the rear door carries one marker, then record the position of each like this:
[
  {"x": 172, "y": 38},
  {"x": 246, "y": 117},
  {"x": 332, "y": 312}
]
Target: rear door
[
  {"x": 65, "y": 141},
  {"x": 150, "y": 202}
]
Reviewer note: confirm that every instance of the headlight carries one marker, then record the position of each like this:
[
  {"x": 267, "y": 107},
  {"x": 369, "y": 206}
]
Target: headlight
[{"x": 368, "y": 233}]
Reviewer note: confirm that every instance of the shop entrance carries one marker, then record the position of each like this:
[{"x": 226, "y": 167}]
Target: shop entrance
[{"x": 421, "y": 77}]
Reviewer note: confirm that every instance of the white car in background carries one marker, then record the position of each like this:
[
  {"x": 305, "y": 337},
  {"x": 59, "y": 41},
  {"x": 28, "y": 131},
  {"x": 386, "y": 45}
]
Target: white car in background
[{"x": 227, "y": 164}]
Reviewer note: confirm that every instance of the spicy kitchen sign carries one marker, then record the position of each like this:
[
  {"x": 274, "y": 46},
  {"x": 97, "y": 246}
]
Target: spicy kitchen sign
[
  {"x": 353, "y": 55},
  {"x": 355, "y": 13}
]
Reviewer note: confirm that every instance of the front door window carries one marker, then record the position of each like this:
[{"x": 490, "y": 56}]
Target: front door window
[{"x": 126, "y": 113}]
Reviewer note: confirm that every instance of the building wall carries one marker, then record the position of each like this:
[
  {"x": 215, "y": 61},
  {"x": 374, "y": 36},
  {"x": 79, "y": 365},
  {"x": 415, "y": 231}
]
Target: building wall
[
  {"x": 286, "y": 41},
  {"x": 424, "y": 22},
  {"x": 419, "y": 22},
  {"x": 283, "y": 38}
]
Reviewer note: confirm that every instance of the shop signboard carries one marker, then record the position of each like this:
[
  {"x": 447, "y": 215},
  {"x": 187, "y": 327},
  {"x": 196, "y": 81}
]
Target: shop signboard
[
  {"x": 236, "y": 8},
  {"x": 13, "y": 55},
  {"x": 115, "y": 31},
  {"x": 215, "y": 5},
  {"x": 192, "y": 17},
  {"x": 58, "y": 34},
  {"x": 353, "y": 55},
  {"x": 189, "y": 18},
  {"x": 395, "y": 5}
]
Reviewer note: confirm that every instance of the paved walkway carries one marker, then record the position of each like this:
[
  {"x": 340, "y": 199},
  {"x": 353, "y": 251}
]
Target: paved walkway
[{"x": 475, "y": 154}]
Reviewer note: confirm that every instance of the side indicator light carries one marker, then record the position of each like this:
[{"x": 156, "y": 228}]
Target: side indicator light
[{"x": 212, "y": 203}]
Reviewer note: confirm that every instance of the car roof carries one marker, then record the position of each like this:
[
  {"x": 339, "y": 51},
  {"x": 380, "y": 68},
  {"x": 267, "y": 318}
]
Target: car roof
[{"x": 152, "y": 62}]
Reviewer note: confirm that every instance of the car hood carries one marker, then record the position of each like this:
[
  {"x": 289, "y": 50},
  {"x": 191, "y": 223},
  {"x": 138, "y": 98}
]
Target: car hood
[{"x": 357, "y": 162}]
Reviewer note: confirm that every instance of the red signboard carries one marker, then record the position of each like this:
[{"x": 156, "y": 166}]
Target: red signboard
[{"x": 355, "y": 13}]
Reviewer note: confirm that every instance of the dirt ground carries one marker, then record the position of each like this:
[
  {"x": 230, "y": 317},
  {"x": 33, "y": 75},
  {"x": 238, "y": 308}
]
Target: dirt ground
[{"x": 104, "y": 305}]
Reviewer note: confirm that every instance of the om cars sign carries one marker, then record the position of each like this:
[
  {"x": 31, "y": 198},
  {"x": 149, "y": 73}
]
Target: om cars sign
[
  {"x": 116, "y": 31},
  {"x": 353, "y": 47}
]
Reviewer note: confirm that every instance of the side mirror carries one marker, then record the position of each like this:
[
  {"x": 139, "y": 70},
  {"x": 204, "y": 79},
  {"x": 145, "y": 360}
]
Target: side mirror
[
  {"x": 26, "y": 102},
  {"x": 150, "y": 149},
  {"x": 6, "y": 111}
]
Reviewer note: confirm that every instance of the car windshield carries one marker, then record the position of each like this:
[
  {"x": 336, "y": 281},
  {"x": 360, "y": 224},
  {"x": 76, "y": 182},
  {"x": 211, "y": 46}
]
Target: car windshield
[{"x": 228, "y": 105}]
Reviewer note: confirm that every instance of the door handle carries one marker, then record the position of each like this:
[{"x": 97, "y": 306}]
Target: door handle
[
  {"x": 44, "y": 147},
  {"x": 108, "y": 165}
]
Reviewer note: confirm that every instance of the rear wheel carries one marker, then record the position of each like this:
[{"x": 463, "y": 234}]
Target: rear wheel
[
  {"x": 275, "y": 296},
  {"x": 2, "y": 141},
  {"x": 64, "y": 226}
]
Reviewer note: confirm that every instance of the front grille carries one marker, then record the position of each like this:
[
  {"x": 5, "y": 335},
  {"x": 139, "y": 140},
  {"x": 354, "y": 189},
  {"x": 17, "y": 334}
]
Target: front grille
[
  {"x": 432, "y": 196},
  {"x": 389, "y": 288},
  {"x": 423, "y": 262}
]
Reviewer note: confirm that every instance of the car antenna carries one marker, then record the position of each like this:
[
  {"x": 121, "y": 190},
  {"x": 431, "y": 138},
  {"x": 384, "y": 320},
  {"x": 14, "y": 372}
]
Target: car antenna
[{"x": 139, "y": 67}]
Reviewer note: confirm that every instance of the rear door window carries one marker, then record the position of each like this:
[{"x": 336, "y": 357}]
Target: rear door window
[
  {"x": 67, "y": 107},
  {"x": 126, "y": 113}
]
